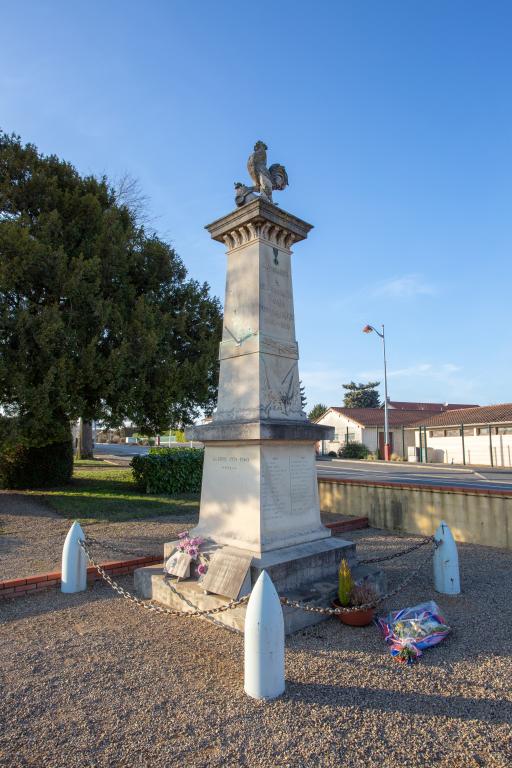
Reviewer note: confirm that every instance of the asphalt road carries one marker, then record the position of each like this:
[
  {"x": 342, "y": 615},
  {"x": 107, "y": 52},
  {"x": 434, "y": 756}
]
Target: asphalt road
[
  {"x": 414, "y": 474},
  {"x": 401, "y": 474}
]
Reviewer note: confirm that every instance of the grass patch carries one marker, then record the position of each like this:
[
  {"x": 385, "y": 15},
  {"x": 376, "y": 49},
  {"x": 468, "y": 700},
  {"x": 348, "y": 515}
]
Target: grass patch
[
  {"x": 88, "y": 463},
  {"x": 112, "y": 496}
]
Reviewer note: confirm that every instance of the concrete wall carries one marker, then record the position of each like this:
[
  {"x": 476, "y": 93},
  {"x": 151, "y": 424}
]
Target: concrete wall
[
  {"x": 478, "y": 517},
  {"x": 476, "y": 448}
]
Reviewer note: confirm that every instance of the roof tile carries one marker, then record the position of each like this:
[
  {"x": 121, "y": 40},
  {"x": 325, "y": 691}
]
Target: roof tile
[{"x": 486, "y": 414}]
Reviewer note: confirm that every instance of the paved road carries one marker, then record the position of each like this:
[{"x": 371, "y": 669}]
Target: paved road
[
  {"x": 400, "y": 474},
  {"x": 121, "y": 451}
]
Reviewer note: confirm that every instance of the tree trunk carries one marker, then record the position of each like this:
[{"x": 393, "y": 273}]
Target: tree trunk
[{"x": 84, "y": 446}]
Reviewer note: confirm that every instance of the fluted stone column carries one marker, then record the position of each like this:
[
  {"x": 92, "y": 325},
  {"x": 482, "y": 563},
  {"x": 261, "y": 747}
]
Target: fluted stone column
[{"x": 259, "y": 487}]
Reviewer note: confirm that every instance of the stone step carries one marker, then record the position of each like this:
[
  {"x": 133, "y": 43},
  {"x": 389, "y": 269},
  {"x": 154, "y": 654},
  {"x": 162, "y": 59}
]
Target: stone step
[
  {"x": 354, "y": 524},
  {"x": 151, "y": 584}
]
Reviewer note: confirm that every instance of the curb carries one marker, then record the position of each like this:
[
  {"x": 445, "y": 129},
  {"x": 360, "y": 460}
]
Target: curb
[
  {"x": 10, "y": 588},
  {"x": 404, "y": 486},
  {"x": 416, "y": 464}
]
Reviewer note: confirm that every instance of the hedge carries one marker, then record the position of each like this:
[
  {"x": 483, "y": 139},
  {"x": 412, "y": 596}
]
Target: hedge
[
  {"x": 169, "y": 470},
  {"x": 45, "y": 466},
  {"x": 353, "y": 451}
]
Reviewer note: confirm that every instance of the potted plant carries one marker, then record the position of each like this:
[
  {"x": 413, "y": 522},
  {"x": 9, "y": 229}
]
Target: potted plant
[{"x": 352, "y": 595}]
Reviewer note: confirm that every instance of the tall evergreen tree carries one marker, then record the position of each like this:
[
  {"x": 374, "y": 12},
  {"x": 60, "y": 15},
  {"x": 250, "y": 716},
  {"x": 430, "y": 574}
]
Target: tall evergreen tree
[
  {"x": 98, "y": 319},
  {"x": 303, "y": 396},
  {"x": 361, "y": 395},
  {"x": 317, "y": 410}
]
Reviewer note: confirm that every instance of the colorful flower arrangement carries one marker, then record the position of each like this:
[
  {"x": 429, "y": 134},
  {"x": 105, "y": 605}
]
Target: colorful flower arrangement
[{"x": 191, "y": 547}]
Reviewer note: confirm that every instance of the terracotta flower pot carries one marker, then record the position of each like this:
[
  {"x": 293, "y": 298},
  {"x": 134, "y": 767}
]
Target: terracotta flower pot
[{"x": 359, "y": 618}]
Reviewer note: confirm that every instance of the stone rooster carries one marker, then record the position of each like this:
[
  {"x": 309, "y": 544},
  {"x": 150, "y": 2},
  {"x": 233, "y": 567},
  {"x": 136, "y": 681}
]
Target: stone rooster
[{"x": 265, "y": 179}]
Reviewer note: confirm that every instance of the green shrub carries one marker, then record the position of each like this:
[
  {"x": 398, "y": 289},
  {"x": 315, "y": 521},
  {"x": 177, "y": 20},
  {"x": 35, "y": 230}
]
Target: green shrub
[
  {"x": 169, "y": 470},
  {"x": 44, "y": 466},
  {"x": 353, "y": 451}
]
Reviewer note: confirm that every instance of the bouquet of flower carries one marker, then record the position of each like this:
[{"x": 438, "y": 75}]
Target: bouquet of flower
[
  {"x": 409, "y": 631},
  {"x": 191, "y": 547}
]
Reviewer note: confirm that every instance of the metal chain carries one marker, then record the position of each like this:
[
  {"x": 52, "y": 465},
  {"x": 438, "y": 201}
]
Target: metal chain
[
  {"x": 365, "y": 606},
  {"x": 91, "y": 540},
  {"x": 149, "y": 604},
  {"x": 182, "y": 597},
  {"x": 426, "y": 540},
  {"x": 235, "y": 603}
]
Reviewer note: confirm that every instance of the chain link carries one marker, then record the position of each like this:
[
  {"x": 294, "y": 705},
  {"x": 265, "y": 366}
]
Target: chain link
[
  {"x": 384, "y": 558},
  {"x": 92, "y": 540},
  {"x": 149, "y": 605},
  {"x": 365, "y": 606}
]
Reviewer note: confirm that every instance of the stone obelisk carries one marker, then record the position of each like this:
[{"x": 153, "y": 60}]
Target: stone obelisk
[
  {"x": 259, "y": 504},
  {"x": 259, "y": 489}
]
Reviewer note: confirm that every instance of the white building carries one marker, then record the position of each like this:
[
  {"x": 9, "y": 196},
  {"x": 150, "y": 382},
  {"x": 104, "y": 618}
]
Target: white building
[
  {"x": 366, "y": 425},
  {"x": 466, "y": 436}
]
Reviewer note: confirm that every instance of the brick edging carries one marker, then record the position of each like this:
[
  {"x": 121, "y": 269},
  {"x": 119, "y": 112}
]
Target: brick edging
[
  {"x": 348, "y": 525},
  {"x": 417, "y": 486},
  {"x": 10, "y": 588}
]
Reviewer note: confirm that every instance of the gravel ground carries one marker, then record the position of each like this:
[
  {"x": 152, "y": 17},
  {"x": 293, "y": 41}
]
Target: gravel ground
[
  {"x": 88, "y": 680},
  {"x": 32, "y": 535}
]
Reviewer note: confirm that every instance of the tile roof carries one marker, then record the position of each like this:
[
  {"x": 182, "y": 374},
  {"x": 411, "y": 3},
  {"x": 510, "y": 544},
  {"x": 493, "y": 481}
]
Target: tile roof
[
  {"x": 434, "y": 407},
  {"x": 374, "y": 417},
  {"x": 487, "y": 414}
]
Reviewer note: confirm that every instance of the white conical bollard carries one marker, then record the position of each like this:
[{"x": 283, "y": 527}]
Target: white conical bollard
[
  {"x": 264, "y": 642},
  {"x": 446, "y": 562},
  {"x": 74, "y": 562}
]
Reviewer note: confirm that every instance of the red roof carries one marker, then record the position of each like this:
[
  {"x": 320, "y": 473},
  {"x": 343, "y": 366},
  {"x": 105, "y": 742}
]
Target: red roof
[
  {"x": 434, "y": 407},
  {"x": 374, "y": 417},
  {"x": 487, "y": 414}
]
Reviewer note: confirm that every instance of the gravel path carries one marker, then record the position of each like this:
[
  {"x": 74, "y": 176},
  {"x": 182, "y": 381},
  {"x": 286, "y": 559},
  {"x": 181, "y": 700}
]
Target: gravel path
[
  {"x": 88, "y": 680},
  {"x": 32, "y": 535}
]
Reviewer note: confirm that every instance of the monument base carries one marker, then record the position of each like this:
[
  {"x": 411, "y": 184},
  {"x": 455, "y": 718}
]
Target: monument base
[{"x": 307, "y": 573}]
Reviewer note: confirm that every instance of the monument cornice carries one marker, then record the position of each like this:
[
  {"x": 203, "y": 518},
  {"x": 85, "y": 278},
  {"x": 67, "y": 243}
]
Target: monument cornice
[
  {"x": 259, "y": 219},
  {"x": 261, "y": 430}
]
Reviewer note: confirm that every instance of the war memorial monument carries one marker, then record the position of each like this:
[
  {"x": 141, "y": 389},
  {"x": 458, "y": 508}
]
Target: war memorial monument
[{"x": 259, "y": 500}]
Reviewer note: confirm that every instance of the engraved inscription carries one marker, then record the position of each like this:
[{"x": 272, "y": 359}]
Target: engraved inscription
[
  {"x": 230, "y": 463},
  {"x": 301, "y": 484},
  {"x": 275, "y": 481},
  {"x": 226, "y": 573}
]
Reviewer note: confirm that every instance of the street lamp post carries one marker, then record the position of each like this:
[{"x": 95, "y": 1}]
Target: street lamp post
[{"x": 369, "y": 329}]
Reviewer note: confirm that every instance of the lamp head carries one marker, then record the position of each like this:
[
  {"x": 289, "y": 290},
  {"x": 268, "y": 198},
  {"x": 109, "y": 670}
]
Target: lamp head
[{"x": 367, "y": 329}]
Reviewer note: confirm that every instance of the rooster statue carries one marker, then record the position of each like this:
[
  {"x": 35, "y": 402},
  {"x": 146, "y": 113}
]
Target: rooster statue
[{"x": 265, "y": 179}]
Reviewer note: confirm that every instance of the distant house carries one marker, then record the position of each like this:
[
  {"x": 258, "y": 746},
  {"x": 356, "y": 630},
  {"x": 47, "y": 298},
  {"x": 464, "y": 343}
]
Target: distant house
[
  {"x": 366, "y": 425},
  {"x": 480, "y": 435}
]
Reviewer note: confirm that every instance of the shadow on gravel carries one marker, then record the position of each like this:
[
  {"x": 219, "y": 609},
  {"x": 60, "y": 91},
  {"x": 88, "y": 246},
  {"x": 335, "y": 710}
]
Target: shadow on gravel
[
  {"x": 458, "y": 707},
  {"x": 39, "y": 605}
]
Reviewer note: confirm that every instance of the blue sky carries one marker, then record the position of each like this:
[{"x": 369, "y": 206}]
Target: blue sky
[{"x": 393, "y": 119}]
